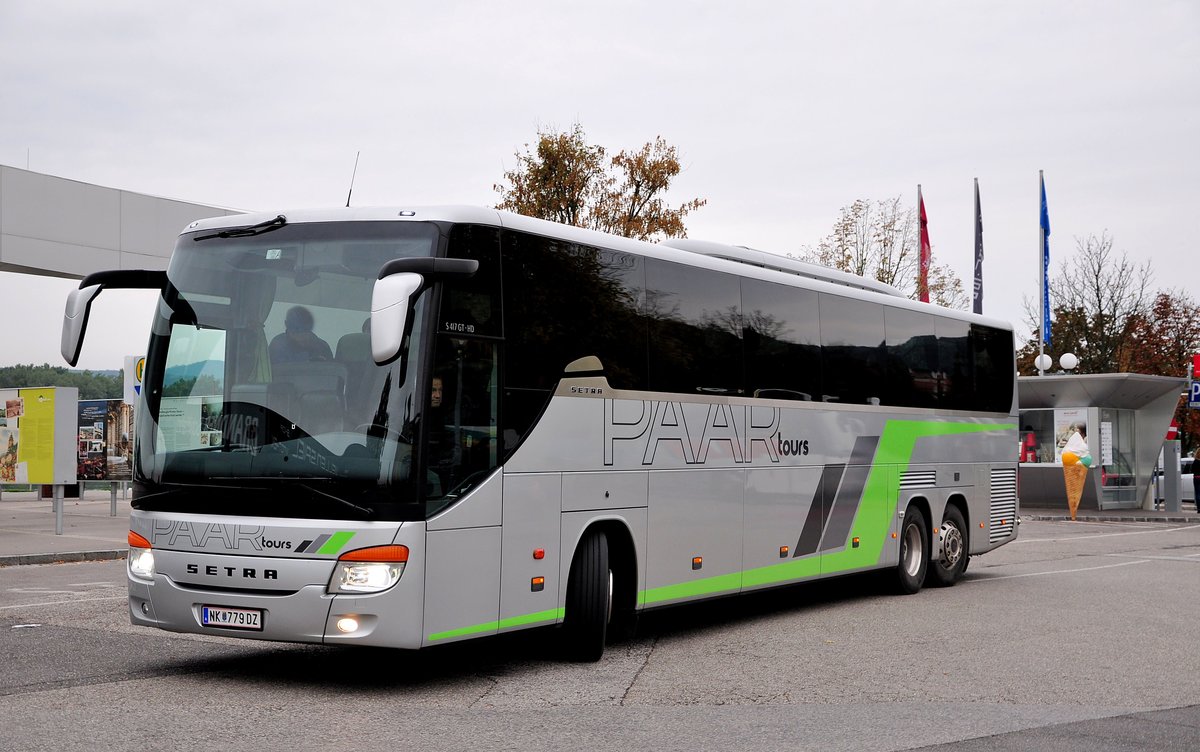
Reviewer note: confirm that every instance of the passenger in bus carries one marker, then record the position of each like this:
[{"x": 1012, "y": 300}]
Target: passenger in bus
[{"x": 298, "y": 343}]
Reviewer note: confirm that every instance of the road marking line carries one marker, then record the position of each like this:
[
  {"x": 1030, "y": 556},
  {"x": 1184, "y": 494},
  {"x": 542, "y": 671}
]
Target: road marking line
[
  {"x": 58, "y": 603},
  {"x": 1104, "y": 535},
  {"x": 1062, "y": 571},
  {"x": 1189, "y": 559}
]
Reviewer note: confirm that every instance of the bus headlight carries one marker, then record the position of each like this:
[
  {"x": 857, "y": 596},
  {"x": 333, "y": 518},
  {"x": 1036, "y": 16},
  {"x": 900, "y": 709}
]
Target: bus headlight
[
  {"x": 141, "y": 557},
  {"x": 369, "y": 570}
]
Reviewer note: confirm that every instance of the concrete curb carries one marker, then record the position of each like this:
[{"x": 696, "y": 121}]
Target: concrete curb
[{"x": 62, "y": 558}]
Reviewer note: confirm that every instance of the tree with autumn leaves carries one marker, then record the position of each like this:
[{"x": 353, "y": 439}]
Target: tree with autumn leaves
[
  {"x": 565, "y": 179},
  {"x": 878, "y": 240},
  {"x": 1105, "y": 312}
]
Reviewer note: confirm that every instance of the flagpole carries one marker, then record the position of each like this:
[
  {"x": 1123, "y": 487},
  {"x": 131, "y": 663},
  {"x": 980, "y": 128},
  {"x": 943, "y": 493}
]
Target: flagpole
[
  {"x": 1041, "y": 279},
  {"x": 922, "y": 260}
]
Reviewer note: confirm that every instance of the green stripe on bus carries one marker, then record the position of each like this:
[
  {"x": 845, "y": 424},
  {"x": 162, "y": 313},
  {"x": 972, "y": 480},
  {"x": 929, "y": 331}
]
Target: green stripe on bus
[
  {"x": 553, "y": 614},
  {"x": 895, "y": 449},
  {"x": 335, "y": 543}
]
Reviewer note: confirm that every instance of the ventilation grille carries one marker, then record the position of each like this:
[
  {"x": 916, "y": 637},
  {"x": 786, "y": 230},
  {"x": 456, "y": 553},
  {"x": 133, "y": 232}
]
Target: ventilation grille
[
  {"x": 1004, "y": 503},
  {"x": 918, "y": 479}
]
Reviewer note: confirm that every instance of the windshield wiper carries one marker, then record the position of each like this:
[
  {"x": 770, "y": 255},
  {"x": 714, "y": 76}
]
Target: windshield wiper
[
  {"x": 242, "y": 232},
  {"x": 344, "y": 502}
]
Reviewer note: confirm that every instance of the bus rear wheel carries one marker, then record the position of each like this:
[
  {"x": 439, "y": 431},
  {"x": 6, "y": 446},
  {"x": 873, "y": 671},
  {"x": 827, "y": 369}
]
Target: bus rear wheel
[
  {"x": 949, "y": 567},
  {"x": 589, "y": 600},
  {"x": 914, "y": 545}
]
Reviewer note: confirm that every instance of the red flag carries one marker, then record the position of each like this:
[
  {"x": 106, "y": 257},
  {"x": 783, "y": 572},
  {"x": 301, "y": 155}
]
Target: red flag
[{"x": 923, "y": 279}]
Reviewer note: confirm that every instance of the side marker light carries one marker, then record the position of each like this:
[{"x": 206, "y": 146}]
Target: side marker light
[
  {"x": 539, "y": 553},
  {"x": 783, "y": 552},
  {"x": 894, "y": 536},
  {"x": 697, "y": 562},
  {"x": 855, "y": 542},
  {"x": 537, "y": 584}
]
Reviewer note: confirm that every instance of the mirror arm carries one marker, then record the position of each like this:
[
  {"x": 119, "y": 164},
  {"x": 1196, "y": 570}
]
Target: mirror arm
[{"x": 79, "y": 302}]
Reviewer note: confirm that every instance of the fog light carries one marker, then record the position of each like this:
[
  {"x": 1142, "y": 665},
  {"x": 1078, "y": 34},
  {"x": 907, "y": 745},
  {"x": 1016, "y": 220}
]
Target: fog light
[{"x": 347, "y": 624}]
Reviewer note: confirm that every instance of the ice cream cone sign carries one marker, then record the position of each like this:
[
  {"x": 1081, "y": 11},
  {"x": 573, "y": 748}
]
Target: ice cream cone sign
[{"x": 1076, "y": 459}]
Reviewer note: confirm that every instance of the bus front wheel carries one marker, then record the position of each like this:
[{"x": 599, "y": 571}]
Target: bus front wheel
[
  {"x": 589, "y": 599},
  {"x": 914, "y": 545}
]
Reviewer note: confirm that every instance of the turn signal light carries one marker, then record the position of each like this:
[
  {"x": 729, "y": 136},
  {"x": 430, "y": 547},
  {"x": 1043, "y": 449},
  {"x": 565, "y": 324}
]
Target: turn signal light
[
  {"x": 376, "y": 553},
  {"x": 137, "y": 541}
]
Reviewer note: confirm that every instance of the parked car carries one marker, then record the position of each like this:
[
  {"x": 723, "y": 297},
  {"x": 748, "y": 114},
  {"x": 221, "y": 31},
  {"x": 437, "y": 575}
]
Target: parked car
[{"x": 1187, "y": 487}]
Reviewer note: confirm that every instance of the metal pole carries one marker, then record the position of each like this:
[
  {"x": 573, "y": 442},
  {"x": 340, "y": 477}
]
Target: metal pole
[
  {"x": 112, "y": 508},
  {"x": 58, "y": 509},
  {"x": 1041, "y": 267}
]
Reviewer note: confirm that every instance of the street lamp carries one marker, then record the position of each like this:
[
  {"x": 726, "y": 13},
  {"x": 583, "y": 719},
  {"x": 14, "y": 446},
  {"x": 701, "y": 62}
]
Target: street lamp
[{"x": 1068, "y": 361}]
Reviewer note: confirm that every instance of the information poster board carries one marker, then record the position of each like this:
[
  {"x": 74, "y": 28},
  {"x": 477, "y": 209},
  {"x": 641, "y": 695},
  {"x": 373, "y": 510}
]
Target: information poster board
[
  {"x": 105, "y": 440},
  {"x": 1064, "y": 421},
  {"x": 37, "y": 435}
]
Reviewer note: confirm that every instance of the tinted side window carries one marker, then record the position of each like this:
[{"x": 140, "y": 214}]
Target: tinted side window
[
  {"x": 995, "y": 369},
  {"x": 852, "y": 345},
  {"x": 912, "y": 358},
  {"x": 954, "y": 362},
  {"x": 472, "y": 306},
  {"x": 695, "y": 329},
  {"x": 781, "y": 335},
  {"x": 564, "y": 301}
]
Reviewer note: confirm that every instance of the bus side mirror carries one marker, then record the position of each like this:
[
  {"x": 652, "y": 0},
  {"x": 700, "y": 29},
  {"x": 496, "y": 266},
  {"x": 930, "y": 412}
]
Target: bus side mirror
[
  {"x": 400, "y": 281},
  {"x": 79, "y": 302},
  {"x": 390, "y": 301},
  {"x": 75, "y": 318}
]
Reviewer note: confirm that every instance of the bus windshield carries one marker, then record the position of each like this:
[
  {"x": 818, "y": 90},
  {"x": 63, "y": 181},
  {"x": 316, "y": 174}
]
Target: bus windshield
[{"x": 262, "y": 397}]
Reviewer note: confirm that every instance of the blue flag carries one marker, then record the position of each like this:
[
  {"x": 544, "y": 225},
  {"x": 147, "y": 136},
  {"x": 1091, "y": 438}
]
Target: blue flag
[{"x": 1045, "y": 265}]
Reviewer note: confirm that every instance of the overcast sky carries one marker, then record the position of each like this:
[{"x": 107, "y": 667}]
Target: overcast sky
[{"x": 783, "y": 113}]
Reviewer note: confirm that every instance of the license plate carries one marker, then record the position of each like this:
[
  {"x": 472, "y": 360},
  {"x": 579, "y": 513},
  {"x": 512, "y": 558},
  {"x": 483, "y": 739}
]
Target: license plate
[{"x": 231, "y": 618}]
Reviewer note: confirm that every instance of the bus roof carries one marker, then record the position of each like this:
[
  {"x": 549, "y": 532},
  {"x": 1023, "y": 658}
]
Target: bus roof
[{"x": 716, "y": 256}]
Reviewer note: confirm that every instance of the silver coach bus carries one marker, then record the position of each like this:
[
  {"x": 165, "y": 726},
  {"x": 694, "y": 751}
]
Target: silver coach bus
[{"x": 408, "y": 427}]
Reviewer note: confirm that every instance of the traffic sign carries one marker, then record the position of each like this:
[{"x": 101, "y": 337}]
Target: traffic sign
[{"x": 1194, "y": 395}]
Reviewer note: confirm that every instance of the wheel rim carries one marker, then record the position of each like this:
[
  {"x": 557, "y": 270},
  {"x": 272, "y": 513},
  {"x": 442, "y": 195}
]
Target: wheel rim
[
  {"x": 952, "y": 545},
  {"x": 911, "y": 551}
]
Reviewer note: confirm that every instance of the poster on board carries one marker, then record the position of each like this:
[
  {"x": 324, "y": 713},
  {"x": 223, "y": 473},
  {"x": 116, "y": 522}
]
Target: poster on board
[
  {"x": 105, "y": 436},
  {"x": 37, "y": 445},
  {"x": 1064, "y": 425}
]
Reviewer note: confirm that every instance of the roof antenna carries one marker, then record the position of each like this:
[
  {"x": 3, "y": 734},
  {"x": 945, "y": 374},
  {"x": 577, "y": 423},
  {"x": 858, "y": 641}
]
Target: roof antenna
[{"x": 352, "y": 174}]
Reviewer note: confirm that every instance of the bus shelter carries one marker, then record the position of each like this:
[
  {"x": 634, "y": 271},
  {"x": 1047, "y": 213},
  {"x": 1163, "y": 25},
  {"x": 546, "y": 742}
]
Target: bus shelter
[{"x": 1126, "y": 417}]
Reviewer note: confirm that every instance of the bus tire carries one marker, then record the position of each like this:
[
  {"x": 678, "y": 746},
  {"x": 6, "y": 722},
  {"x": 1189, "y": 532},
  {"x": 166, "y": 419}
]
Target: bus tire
[
  {"x": 914, "y": 553},
  {"x": 589, "y": 600},
  {"x": 952, "y": 562}
]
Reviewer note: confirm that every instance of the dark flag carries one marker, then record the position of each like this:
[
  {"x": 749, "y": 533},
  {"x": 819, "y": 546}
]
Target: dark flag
[{"x": 978, "y": 297}]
